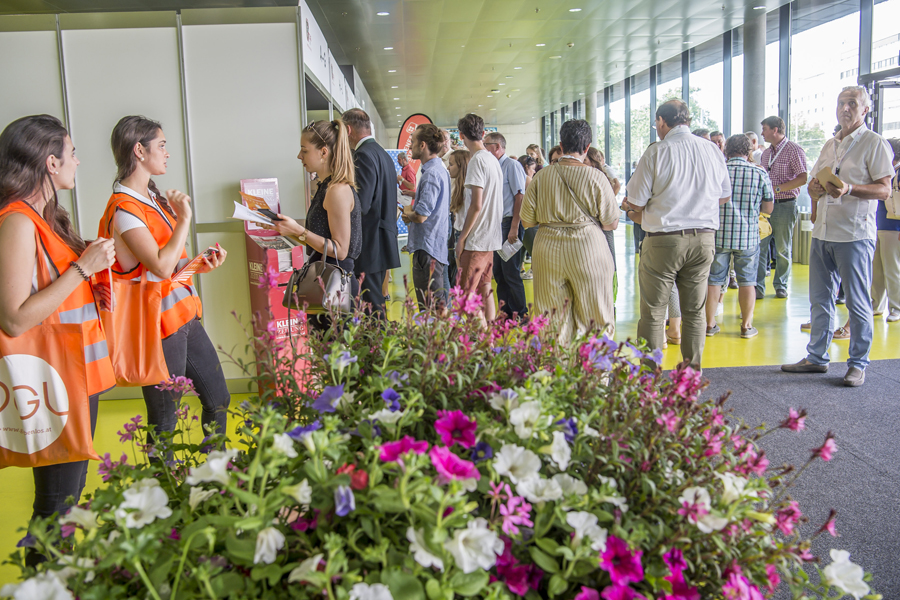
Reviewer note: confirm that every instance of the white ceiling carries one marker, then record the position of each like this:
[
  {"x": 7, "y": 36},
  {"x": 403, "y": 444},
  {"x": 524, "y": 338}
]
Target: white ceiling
[{"x": 449, "y": 55}]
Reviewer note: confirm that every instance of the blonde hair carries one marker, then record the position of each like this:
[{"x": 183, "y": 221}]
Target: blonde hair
[
  {"x": 333, "y": 134},
  {"x": 460, "y": 158},
  {"x": 537, "y": 150}
]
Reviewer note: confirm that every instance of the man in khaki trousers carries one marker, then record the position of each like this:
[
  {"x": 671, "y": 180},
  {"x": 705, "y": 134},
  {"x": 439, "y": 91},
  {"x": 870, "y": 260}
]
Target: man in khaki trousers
[{"x": 675, "y": 194}]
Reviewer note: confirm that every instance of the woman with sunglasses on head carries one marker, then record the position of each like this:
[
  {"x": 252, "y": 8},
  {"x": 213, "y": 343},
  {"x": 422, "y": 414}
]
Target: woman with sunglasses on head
[
  {"x": 150, "y": 231},
  {"x": 333, "y": 221},
  {"x": 37, "y": 158}
]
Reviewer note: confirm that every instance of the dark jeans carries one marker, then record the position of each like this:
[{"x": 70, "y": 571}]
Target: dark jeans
[
  {"x": 370, "y": 290},
  {"x": 510, "y": 289},
  {"x": 54, "y": 483},
  {"x": 428, "y": 276},
  {"x": 452, "y": 272},
  {"x": 189, "y": 352}
]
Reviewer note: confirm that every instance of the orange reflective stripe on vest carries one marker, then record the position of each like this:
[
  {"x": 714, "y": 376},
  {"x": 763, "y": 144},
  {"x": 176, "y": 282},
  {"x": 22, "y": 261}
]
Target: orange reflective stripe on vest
[
  {"x": 180, "y": 303},
  {"x": 79, "y": 308}
]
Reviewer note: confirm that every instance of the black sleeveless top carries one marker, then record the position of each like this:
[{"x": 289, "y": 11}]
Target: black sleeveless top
[{"x": 317, "y": 222}]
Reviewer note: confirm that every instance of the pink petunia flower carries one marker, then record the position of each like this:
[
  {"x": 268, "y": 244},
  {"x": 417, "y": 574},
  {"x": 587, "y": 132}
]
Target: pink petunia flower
[
  {"x": 622, "y": 564},
  {"x": 669, "y": 420},
  {"x": 620, "y": 592},
  {"x": 787, "y": 518},
  {"x": 587, "y": 593},
  {"x": 392, "y": 451},
  {"x": 795, "y": 421},
  {"x": 738, "y": 587},
  {"x": 686, "y": 382},
  {"x": 826, "y": 450},
  {"x": 674, "y": 559},
  {"x": 515, "y": 512},
  {"x": 829, "y": 525},
  {"x": 774, "y": 578},
  {"x": 449, "y": 466},
  {"x": 714, "y": 443},
  {"x": 454, "y": 427}
]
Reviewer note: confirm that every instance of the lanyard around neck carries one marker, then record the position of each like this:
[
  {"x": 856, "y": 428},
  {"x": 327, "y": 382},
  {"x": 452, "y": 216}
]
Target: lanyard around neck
[
  {"x": 776, "y": 154},
  {"x": 839, "y": 161}
]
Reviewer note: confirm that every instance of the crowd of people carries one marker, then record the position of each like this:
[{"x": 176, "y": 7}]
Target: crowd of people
[{"x": 704, "y": 207}]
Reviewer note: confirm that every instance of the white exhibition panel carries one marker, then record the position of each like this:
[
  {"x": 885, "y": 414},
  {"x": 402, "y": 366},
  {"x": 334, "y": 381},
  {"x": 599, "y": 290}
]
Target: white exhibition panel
[
  {"x": 315, "y": 47},
  {"x": 31, "y": 82},
  {"x": 244, "y": 116},
  {"x": 111, "y": 74},
  {"x": 337, "y": 83}
]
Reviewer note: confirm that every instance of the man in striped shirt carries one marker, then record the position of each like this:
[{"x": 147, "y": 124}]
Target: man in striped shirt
[{"x": 738, "y": 234}]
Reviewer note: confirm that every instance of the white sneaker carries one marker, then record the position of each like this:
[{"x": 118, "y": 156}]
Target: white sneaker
[
  {"x": 720, "y": 310},
  {"x": 528, "y": 275},
  {"x": 894, "y": 316}
]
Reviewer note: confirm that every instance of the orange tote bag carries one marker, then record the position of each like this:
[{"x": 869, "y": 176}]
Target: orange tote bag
[
  {"x": 45, "y": 414},
  {"x": 133, "y": 332}
]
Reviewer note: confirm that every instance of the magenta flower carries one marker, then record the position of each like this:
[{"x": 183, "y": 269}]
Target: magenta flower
[
  {"x": 620, "y": 592},
  {"x": 680, "y": 589},
  {"x": 787, "y": 518},
  {"x": 692, "y": 511},
  {"x": 449, "y": 466},
  {"x": 535, "y": 325},
  {"x": 392, "y": 451},
  {"x": 456, "y": 428},
  {"x": 674, "y": 559},
  {"x": 622, "y": 564},
  {"x": 466, "y": 343},
  {"x": 107, "y": 465},
  {"x": 738, "y": 587},
  {"x": 68, "y": 529},
  {"x": 714, "y": 443},
  {"x": 269, "y": 279},
  {"x": 496, "y": 494},
  {"x": 795, "y": 421},
  {"x": 829, "y": 525},
  {"x": 174, "y": 535},
  {"x": 587, "y": 593},
  {"x": 774, "y": 578},
  {"x": 826, "y": 450},
  {"x": 178, "y": 384},
  {"x": 669, "y": 420},
  {"x": 515, "y": 512},
  {"x": 686, "y": 382}
]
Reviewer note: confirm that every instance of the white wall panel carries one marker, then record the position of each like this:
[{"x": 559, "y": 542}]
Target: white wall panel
[{"x": 112, "y": 73}]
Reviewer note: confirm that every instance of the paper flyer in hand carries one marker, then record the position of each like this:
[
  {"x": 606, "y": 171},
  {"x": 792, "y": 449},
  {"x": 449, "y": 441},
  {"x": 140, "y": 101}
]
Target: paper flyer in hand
[
  {"x": 184, "y": 275},
  {"x": 243, "y": 213},
  {"x": 826, "y": 176}
]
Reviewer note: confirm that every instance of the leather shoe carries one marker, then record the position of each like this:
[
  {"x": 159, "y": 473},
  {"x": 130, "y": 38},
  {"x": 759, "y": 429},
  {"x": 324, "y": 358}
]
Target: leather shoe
[
  {"x": 804, "y": 366},
  {"x": 781, "y": 293},
  {"x": 855, "y": 377}
]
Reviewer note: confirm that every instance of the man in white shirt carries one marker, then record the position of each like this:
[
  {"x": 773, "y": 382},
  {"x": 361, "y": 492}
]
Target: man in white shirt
[
  {"x": 844, "y": 234},
  {"x": 755, "y": 150},
  {"x": 481, "y": 231},
  {"x": 675, "y": 194}
]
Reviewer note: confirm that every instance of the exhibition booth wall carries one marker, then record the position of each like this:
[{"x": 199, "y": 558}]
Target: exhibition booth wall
[{"x": 227, "y": 86}]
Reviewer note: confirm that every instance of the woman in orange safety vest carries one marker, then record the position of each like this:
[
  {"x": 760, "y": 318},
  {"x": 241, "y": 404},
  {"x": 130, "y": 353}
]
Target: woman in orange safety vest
[
  {"x": 37, "y": 158},
  {"x": 150, "y": 231}
]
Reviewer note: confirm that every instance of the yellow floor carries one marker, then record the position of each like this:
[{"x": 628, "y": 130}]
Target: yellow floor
[{"x": 780, "y": 340}]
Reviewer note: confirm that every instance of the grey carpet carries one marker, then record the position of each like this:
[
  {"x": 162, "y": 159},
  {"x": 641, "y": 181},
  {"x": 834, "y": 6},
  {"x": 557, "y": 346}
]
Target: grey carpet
[{"x": 862, "y": 481}]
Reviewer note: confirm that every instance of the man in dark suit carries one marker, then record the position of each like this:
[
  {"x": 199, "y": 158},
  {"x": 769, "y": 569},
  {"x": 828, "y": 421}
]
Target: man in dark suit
[{"x": 376, "y": 179}]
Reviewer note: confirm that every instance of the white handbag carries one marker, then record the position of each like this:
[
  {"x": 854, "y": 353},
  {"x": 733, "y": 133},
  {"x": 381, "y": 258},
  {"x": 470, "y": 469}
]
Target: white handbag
[{"x": 893, "y": 202}]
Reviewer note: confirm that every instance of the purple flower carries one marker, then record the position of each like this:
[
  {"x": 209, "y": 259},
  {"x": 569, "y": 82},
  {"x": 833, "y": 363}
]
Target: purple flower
[
  {"x": 344, "y": 501},
  {"x": 300, "y": 432},
  {"x": 482, "y": 451},
  {"x": 329, "y": 398},
  {"x": 392, "y": 399},
  {"x": 397, "y": 379},
  {"x": 657, "y": 356},
  {"x": 178, "y": 384},
  {"x": 29, "y": 541},
  {"x": 343, "y": 360},
  {"x": 570, "y": 428},
  {"x": 536, "y": 343}
]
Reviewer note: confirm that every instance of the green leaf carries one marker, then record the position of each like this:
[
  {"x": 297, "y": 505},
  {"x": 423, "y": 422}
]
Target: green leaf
[
  {"x": 368, "y": 527},
  {"x": 469, "y": 584},
  {"x": 547, "y": 545},
  {"x": 270, "y": 572},
  {"x": 433, "y": 589},
  {"x": 543, "y": 561},
  {"x": 240, "y": 551},
  {"x": 558, "y": 585},
  {"x": 225, "y": 584},
  {"x": 403, "y": 585}
]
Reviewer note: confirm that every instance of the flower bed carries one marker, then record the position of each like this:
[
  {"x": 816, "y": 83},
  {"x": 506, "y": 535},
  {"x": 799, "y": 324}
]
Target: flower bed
[{"x": 433, "y": 458}]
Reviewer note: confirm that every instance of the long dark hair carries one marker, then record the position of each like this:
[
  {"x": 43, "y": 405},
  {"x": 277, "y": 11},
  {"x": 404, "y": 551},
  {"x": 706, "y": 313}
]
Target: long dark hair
[
  {"x": 128, "y": 132},
  {"x": 25, "y": 145}
]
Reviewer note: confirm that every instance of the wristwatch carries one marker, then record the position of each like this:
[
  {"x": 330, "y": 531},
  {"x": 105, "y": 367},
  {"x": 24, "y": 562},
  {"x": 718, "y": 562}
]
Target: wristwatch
[
  {"x": 777, "y": 189},
  {"x": 302, "y": 236}
]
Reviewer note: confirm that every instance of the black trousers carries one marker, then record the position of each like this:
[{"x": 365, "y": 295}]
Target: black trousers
[
  {"x": 370, "y": 292},
  {"x": 510, "y": 288}
]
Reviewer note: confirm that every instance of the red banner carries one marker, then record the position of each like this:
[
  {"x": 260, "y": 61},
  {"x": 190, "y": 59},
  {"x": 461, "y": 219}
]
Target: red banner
[{"x": 404, "y": 141}]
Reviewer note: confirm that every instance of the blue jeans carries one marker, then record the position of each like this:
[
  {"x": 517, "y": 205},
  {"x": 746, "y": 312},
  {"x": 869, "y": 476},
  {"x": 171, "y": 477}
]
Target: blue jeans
[
  {"x": 783, "y": 219},
  {"x": 510, "y": 289},
  {"x": 744, "y": 266},
  {"x": 831, "y": 263}
]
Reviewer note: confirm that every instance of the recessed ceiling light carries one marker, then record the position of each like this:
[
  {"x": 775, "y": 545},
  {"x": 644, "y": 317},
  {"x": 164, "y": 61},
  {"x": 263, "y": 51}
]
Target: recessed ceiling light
[
  {"x": 388, "y": 47},
  {"x": 479, "y": 106},
  {"x": 489, "y": 96},
  {"x": 540, "y": 45},
  {"x": 397, "y": 107},
  {"x": 493, "y": 109},
  {"x": 759, "y": 8},
  {"x": 581, "y": 93},
  {"x": 574, "y": 10},
  {"x": 383, "y": 14},
  {"x": 463, "y": 46},
  {"x": 517, "y": 68},
  {"x": 392, "y": 71},
  {"x": 516, "y": 90},
  {"x": 394, "y": 87},
  {"x": 555, "y": 57},
  {"x": 396, "y": 98},
  {"x": 398, "y": 115},
  {"x": 501, "y": 84}
]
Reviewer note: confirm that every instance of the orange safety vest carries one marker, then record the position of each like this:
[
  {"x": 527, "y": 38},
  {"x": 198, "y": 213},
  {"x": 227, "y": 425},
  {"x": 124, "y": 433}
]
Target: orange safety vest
[
  {"x": 79, "y": 307},
  {"x": 180, "y": 303}
]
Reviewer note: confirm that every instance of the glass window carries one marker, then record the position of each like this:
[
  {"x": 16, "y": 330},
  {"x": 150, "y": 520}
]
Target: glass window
[
  {"x": 668, "y": 83},
  {"x": 707, "y": 104},
  {"x": 891, "y": 116},
  {"x": 885, "y": 37},
  {"x": 819, "y": 71},
  {"x": 616, "y": 156},
  {"x": 772, "y": 66},
  {"x": 737, "y": 83},
  {"x": 640, "y": 116},
  {"x": 601, "y": 122}
]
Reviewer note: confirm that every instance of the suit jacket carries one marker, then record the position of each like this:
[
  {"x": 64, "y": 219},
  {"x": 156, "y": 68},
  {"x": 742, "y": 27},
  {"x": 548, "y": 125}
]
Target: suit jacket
[{"x": 377, "y": 183}]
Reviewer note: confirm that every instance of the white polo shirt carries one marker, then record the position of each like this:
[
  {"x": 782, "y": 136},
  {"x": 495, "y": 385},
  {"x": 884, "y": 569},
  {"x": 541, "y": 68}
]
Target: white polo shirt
[
  {"x": 679, "y": 182},
  {"x": 863, "y": 157}
]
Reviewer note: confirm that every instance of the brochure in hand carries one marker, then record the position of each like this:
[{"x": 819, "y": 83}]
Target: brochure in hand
[
  {"x": 192, "y": 267},
  {"x": 509, "y": 250}
]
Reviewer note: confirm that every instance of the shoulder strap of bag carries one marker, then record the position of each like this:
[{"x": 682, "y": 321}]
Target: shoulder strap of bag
[{"x": 578, "y": 203}]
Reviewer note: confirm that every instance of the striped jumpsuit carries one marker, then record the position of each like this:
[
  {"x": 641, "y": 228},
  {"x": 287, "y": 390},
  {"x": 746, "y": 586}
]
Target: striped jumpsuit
[{"x": 572, "y": 264}]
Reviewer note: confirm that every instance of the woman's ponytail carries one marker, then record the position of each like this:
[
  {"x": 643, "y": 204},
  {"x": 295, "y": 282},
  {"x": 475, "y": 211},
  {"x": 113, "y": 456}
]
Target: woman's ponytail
[{"x": 342, "y": 167}]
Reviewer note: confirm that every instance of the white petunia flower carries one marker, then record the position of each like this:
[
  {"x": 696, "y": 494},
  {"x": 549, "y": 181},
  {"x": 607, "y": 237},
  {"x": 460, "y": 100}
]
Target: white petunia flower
[
  {"x": 560, "y": 451},
  {"x": 301, "y": 492},
  {"x": 608, "y": 481},
  {"x": 268, "y": 542},
  {"x": 570, "y": 485},
  {"x": 112, "y": 537},
  {"x": 283, "y": 444},
  {"x": 733, "y": 486},
  {"x": 80, "y": 516},
  {"x": 376, "y": 591},
  {"x": 214, "y": 470},
  {"x": 591, "y": 432},
  {"x": 198, "y": 495},
  {"x": 43, "y": 586},
  {"x": 505, "y": 400},
  {"x": 525, "y": 418},
  {"x": 539, "y": 490},
  {"x": 475, "y": 547},
  {"x": 585, "y": 526},
  {"x": 310, "y": 565},
  {"x": 708, "y": 522},
  {"x": 845, "y": 575},
  {"x": 75, "y": 567},
  {"x": 386, "y": 416},
  {"x": 144, "y": 502},
  {"x": 616, "y": 501},
  {"x": 517, "y": 463},
  {"x": 420, "y": 550}
]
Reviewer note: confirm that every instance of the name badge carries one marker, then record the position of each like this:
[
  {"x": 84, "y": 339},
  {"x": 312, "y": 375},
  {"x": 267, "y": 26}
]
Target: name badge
[{"x": 832, "y": 201}]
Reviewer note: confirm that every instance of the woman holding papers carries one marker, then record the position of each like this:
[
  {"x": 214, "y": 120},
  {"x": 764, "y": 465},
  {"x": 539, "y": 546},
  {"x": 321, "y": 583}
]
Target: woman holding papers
[
  {"x": 46, "y": 268},
  {"x": 334, "y": 225},
  {"x": 150, "y": 231}
]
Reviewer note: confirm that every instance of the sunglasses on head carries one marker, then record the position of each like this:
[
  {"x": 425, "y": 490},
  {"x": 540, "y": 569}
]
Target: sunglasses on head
[{"x": 311, "y": 127}]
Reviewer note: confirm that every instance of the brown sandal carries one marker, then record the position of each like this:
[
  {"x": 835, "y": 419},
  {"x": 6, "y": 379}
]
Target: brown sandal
[
  {"x": 841, "y": 333},
  {"x": 675, "y": 341}
]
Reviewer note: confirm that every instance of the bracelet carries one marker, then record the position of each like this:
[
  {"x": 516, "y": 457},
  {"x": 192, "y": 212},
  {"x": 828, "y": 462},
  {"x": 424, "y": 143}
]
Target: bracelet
[
  {"x": 80, "y": 270},
  {"x": 850, "y": 191}
]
